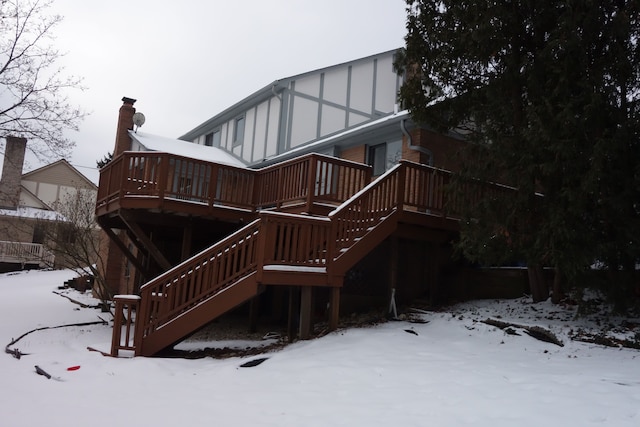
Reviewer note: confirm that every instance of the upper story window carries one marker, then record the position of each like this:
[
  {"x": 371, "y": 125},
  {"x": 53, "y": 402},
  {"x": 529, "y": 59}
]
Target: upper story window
[
  {"x": 238, "y": 131},
  {"x": 212, "y": 139}
]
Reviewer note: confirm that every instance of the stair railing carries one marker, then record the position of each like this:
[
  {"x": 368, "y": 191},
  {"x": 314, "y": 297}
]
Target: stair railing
[{"x": 196, "y": 279}]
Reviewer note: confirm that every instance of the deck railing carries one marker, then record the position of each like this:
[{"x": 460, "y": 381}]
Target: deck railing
[
  {"x": 276, "y": 241},
  {"x": 26, "y": 253},
  {"x": 312, "y": 178}
]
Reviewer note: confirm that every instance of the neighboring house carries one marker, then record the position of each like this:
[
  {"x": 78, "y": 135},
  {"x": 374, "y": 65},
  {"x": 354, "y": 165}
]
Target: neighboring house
[
  {"x": 313, "y": 196},
  {"x": 29, "y": 203}
]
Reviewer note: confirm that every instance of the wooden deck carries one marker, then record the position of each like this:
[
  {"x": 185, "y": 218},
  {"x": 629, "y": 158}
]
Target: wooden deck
[{"x": 308, "y": 220}]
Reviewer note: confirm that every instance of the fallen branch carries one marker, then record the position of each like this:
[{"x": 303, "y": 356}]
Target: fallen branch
[
  {"x": 607, "y": 341},
  {"x": 81, "y": 304},
  {"x": 536, "y": 332},
  {"x": 17, "y": 354}
]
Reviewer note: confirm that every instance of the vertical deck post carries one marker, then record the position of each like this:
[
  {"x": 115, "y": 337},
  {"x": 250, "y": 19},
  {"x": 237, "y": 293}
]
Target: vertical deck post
[
  {"x": 334, "y": 308},
  {"x": 306, "y": 312},
  {"x": 187, "y": 234},
  {"x": 393, "y": 271},
  {"x": 293, "y": 308},
  {"x": 254, "y": 311}
]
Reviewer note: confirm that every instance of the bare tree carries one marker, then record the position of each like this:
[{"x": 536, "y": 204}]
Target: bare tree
[
  {"x": 33, "y": 103},
  {"x": 77, "y": 241}
]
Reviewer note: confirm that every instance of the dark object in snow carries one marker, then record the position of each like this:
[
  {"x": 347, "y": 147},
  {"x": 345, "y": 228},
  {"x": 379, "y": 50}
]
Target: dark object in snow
[
  {"x": 511, "y": 331},
  {"x": 411, "y": 331},
  {"x": 73, "y": 368},
  {"x": 254, "y": 362},
  {"x": 41, "y": 371},
  {"x": 542, "y": 334},
  {"x": 534, "y": 331},
  {"x": 14, "y": 352}
]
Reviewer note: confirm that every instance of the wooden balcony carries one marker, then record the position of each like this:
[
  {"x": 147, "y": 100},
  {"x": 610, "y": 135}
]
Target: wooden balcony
[
  {"x": 162, "y": 182},
  {"x": 25, "y": 254}
]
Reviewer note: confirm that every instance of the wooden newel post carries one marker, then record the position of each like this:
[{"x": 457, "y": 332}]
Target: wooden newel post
[{"x": 125, "y": 306}]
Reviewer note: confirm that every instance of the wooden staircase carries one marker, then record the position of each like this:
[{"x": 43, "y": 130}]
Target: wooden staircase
[{"x": 277, "y": 249}]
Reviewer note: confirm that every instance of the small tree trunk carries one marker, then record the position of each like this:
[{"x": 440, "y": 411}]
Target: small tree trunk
[
  {"x": 557, "y": 294},
  {"x": 537, "y": 283}
]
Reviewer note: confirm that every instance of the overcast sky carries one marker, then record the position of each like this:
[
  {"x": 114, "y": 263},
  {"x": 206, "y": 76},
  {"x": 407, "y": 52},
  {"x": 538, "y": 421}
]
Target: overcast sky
[{"x": 185, "y": 61}]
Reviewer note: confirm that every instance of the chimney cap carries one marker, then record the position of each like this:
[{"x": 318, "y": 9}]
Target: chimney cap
[{"x": 128, "y": 100}]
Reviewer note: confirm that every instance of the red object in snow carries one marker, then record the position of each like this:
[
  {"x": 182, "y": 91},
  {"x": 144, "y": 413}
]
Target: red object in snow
[{"x": 73, "y": 368}]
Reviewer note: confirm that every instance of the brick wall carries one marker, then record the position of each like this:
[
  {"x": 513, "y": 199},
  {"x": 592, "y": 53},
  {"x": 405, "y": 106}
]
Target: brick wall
[
  {"x": 355, "y": 154},
  {"x": 445, "y": 149},
  {"x": 125, "y": 124}
]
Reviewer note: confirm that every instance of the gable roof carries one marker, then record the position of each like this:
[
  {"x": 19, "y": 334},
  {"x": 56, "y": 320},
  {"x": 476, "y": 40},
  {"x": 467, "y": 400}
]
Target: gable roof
[
  {"x": 266, "y": 92},
  {"x": 77, "y": 180}
]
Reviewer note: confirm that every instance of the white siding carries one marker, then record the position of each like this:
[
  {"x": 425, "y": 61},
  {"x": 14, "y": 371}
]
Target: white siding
[
  {"x": 261, "y": 132},
  {"x": 304, "y": 121},
  {"x": 247, "y": 144},
  {"x": 309, "y": 85},
  {"x": 355, "y": 119},
  {"x": 333, "y": 120},
  {"x": 274, "y": 124},
  {"x": 386, "y": 80},
  {"x": 226, "y": 136},
  {"x": 30, "y": 185},
  {"x": 48, "y": 193},
  {"x": 335, "y": 86},
  {"x": 362, "y": 87}
]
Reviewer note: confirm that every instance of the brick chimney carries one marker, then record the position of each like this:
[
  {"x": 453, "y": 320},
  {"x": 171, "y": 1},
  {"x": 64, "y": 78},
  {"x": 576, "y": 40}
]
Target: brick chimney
[
  {"x": 125, "y": 124},
  {"x": 12, "y": 172}
]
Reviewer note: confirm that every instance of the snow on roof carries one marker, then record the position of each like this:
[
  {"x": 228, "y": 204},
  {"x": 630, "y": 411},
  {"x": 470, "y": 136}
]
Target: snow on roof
[
  {"x": 184, "y": 148},
  {"x": 26, "y": 212}
]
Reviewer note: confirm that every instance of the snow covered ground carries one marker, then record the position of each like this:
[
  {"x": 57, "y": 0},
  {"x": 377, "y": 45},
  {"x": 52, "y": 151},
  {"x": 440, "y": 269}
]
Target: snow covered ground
[{"x": 452, "y": 370}]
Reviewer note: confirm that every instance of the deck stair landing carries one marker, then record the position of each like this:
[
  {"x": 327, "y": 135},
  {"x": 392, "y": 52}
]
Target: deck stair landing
[{"x": 277, "y": 249}]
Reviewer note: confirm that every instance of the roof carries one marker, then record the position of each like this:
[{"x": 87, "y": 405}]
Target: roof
[
  {"x": 183, "y": 148},
  {"x": 26, "y": 212},
  {"x": 262, "y": 94},
  {"x": 64, "y": 163}
]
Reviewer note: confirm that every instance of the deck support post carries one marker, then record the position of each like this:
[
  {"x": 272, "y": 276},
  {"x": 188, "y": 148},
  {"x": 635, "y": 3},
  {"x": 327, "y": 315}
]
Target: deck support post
[
  {"x": 306, "y": 312},
  {"x": 334, "y": 308},
  {"x": 254, "y": 309},
  {"x": 393, "y": 274},
  {"x": 433, "y": 266},
  {"x": 187, "y": 234},
  {"x": 292, "y": 320}
]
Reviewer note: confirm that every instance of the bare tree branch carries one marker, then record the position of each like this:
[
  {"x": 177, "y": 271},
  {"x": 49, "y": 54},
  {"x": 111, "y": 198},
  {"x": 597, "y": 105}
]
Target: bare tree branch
[{"x": 33, "y": 103}]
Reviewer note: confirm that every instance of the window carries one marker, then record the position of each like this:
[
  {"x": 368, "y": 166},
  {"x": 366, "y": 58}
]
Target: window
[
  {"x": 212, "y": 139},
  {"x": 384, "y": 156},
  {"x": 238, "y": 131},
  {"x": 377, "y": 158},
  {"x": 38, "y": 233}
]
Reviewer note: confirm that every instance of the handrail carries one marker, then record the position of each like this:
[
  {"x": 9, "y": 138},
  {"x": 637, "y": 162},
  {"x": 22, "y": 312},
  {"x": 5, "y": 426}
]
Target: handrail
[
  {"x": 366, "y": 209},
  {"x": 272, "y": 239},
  {"x": 167, "y": 176},
  {"x": 196, "y": 279}
]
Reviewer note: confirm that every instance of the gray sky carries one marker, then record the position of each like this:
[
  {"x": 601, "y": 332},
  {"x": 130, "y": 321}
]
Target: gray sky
[{"x": 185, "y": 61}]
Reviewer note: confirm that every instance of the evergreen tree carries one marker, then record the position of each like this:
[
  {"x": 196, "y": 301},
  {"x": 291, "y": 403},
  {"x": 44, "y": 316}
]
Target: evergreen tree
[{"x": 546, "y": 92}]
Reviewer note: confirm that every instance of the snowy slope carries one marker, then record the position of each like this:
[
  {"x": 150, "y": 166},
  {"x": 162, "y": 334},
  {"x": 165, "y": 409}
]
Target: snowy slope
[{"x": 452, "y": 370}]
